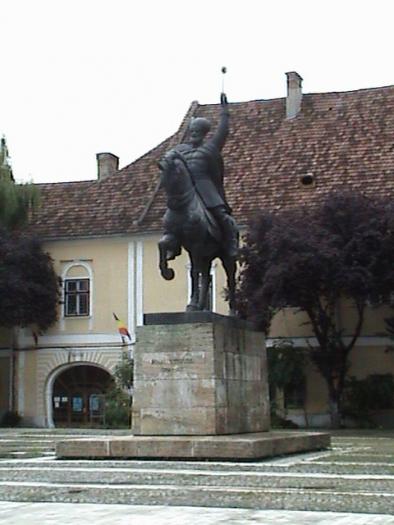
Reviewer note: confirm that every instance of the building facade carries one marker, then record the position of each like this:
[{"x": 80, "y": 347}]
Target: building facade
[{"x": 103, "y": 234}]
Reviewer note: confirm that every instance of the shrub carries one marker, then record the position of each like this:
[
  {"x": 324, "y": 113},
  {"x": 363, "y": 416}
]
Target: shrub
[
  {"x": 10, "y": 419},
  {"x": 117, "y": 409},
  {"x": 286, "y": 365},
  {"x": 363, "y": 396}
]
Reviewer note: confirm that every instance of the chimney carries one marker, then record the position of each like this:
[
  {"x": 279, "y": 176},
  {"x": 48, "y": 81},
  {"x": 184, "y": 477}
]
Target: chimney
[
  {"x": 294, "y": 94},
  {"x": 107, "y": 164}
]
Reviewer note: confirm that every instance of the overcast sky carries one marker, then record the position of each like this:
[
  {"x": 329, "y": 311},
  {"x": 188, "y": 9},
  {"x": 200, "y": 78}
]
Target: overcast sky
[{"x": 80, "y": 77}]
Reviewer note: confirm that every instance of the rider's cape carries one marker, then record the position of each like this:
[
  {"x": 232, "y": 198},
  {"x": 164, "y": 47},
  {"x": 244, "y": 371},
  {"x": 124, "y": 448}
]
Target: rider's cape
[{"x": 214, "y": 179}]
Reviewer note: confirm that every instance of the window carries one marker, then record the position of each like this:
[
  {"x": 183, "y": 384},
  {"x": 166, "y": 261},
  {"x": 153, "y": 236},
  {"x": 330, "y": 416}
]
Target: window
[
  {"x": 376, "y": 299},
  {"x": 294, "y": 394},
  {"x": 76, "y": 297}
]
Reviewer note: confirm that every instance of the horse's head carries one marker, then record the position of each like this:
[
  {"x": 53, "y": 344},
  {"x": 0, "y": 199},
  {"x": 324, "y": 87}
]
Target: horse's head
[
  {"x": 174, "y": 172},
  {"x": 168, "y": 162}
]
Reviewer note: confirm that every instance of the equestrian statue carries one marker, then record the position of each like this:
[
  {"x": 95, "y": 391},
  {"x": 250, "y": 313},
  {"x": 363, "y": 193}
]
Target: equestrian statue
[{"x": 198, "y": 217}]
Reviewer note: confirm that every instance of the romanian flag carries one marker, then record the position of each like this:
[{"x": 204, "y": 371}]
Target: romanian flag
[{"x": 122, "y": 328}]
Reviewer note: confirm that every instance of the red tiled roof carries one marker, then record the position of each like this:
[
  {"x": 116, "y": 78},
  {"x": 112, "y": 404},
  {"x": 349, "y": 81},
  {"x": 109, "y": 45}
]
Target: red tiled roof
[{"x": 344, "y": 140}]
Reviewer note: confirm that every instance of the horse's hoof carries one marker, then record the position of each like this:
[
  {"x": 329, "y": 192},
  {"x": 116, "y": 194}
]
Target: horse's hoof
[
  {"x": 168, "y": 274},
  {"x": 191, "y": 308}
]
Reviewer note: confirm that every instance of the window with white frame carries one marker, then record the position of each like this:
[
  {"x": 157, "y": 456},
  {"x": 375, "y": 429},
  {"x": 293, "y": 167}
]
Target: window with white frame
[
  {"x": 76, "y": 297},
  {"x": 77, "y": 278}
]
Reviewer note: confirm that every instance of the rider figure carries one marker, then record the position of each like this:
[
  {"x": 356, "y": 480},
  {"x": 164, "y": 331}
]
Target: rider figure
[{"x": 205, "y": 164}]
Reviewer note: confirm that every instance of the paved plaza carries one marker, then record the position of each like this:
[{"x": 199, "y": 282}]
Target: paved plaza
[
  {"x": 84, "y": 514},
  {"x": 350, "y": 484}
]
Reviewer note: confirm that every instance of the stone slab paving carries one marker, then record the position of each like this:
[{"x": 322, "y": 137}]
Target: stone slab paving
[
  {"x": 356, "y": 475},
  {"x": 84, "y": 514},
  {"x": 52, "y": 473},
  {"x": 224, "y": 497}
]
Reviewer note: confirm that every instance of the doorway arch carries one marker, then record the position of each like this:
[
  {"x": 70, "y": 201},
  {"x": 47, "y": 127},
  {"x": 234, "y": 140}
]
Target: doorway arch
[{"x": 76, "y": 395}]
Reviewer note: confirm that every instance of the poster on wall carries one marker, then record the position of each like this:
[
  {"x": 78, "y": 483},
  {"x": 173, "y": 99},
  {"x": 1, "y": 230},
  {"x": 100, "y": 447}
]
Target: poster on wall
[
  {"x": 77, "y": 404},
  {"x": 94, "y": 402}
]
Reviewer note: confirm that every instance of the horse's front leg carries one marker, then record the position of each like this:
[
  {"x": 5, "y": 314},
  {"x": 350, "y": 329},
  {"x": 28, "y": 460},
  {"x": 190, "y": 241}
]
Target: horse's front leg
[
  {"x": 194, "y": 280},
  {"x": 230, "y": 267},
  {"x": 164, "y": 247},
  {"x": 204, "y": 287}
]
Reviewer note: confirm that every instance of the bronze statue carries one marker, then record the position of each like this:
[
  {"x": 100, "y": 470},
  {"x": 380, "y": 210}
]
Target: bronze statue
[{"x": 198, "y": 216}]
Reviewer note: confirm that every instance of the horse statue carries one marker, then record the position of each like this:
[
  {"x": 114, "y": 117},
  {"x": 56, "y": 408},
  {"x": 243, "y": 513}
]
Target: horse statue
[{"x": 189, "y": 224}]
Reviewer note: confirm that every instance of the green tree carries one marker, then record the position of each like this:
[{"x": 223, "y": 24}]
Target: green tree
[
  {"x": 365, "y": 396},
  {"x": 314, "y": 258},
  {"x": 124, "y": 372},
  {"x": 119, "y": 397},
  {"x": 286, "y": 364},
  {"x": 16, "y": 200},
  {"x": 5, "y": 168},
  {"x": 29, "y": 287},
  {"x": 286, "y": 371},
  {"x": 390, "y": 330}
]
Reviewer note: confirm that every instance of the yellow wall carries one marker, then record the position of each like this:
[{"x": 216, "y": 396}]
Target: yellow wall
[
  {"x": 5, "y": 369},
  {"x": 374, "y": 320},
  {"x": 108, "y": 260},
  {"x": 221, "y": 284},
  {"x": 371, "y": 360},
  {"x": 5, "y": 338},
  {"x": 316, "y": 390},
  {"x": 30, "y": 383},
  {"x": 291, "y": 323},
  {"x": 161, "y": 295},
  {"x": 5, "y": 365},
  {"x": 172, "y": 296}
]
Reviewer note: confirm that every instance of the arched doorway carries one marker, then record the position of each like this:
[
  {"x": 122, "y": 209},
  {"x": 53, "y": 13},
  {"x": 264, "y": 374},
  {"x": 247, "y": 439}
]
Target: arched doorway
[{"x": 78, "y": 396}]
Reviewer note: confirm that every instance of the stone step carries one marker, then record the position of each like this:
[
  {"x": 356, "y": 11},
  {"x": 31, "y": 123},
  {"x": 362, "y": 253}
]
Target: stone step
[
  {"x": 278, "y": 466},
  {"x": 317, "y": 499},
  {"x": 25, "y": 446},
  {"x": 10, "y": 439},
  {"x": 63, "y": 432},
  {"x": 127, "y": 476}
]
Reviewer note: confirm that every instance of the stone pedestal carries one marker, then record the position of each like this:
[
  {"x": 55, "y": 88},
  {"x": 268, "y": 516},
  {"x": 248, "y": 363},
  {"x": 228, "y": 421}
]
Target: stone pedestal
[
  {"x": 200, "y": 392},
  {"x": 199, "y": 374}
]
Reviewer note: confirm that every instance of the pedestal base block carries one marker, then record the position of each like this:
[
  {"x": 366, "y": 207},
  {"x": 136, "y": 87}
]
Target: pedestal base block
[
  {"x": 232, "y": 447},
  {"x": 199, "y": 373}
]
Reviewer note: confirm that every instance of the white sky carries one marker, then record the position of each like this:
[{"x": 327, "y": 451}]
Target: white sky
[{"x": 80, "y": 77}]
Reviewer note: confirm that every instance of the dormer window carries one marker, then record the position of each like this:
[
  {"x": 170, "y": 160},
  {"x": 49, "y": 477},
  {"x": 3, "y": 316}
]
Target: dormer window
[{"x": 307, "y": 180}]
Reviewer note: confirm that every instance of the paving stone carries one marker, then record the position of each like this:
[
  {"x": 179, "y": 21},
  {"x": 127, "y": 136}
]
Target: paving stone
[
  {"x": 85, "y": 514},
  {"x": 324, "y": 480}
]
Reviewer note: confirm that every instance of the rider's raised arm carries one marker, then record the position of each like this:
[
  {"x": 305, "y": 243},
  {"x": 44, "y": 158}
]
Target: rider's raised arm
[{"x": 219, "y": 138}]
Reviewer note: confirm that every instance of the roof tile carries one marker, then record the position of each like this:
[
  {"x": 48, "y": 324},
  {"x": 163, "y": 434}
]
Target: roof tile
[{"x": 345, "y": 140}]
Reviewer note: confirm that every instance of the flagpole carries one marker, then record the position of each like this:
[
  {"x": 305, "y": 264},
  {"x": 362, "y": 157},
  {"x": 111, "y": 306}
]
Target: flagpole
[{"x": 224, "y": 71}]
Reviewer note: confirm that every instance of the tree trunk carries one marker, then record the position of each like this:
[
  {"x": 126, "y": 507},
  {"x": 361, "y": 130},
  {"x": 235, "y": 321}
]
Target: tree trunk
[
  {"x": 335, "y": 413},
  {"x": 14, "y": 370}
]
